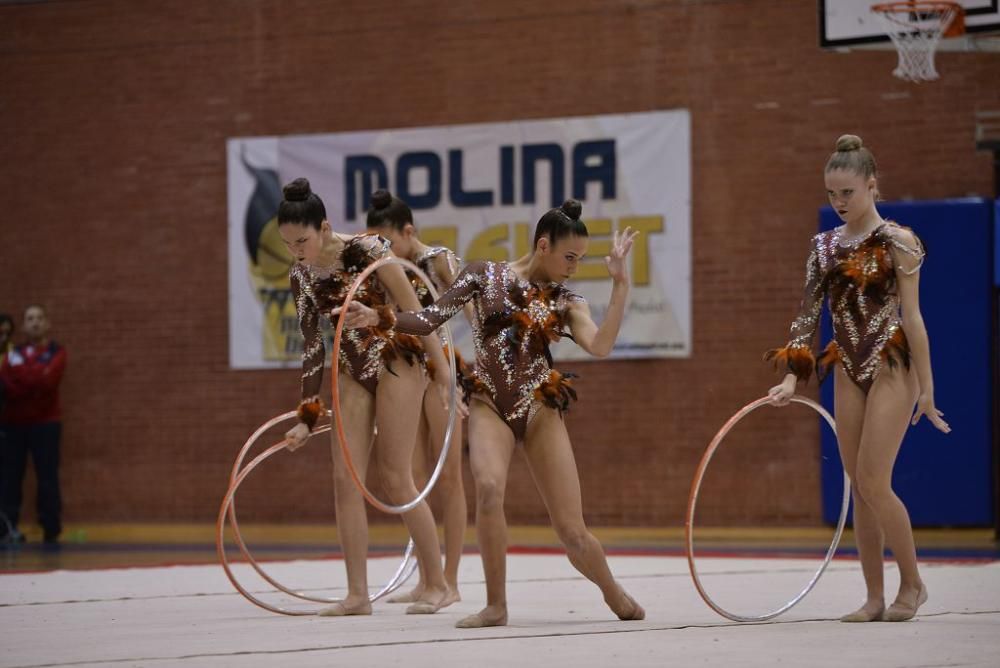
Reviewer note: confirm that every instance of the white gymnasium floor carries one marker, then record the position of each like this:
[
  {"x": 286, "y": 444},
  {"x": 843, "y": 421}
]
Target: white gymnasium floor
[{"x": 190, "y": 616}]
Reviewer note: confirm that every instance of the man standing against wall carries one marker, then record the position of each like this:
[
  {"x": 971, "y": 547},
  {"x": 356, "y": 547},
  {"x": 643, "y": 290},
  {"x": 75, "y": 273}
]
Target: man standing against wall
[
  {"x": 31, "y": 421},
  {"x": 6, "y": 345}
]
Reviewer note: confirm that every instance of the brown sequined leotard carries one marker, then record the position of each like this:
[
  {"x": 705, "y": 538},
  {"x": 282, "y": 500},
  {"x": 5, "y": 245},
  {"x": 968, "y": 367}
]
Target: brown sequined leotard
[
  {"x": 514, "y": 323},
  {"x": 425, "y": 260},
  {"x": 363, "y": 352},
  {"x": 859, "y": 278}
]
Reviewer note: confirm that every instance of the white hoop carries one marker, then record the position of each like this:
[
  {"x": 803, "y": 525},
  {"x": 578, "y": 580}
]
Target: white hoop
[
  {"x": 406, "y": 567},
  {"x": 335, "y": 377},
  {"x": 693, "y": 499}
]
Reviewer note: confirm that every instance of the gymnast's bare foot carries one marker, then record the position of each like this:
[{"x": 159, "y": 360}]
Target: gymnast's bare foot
[
  {"x": 411, "y": 596},
  {"x": 491, "y": 615},
  {"x": 626, "y": 608},
  {"x": 352, "y": 605},
  {"x": 431, "y": 600},
  {"x": 871, "y": 611},
  {"x": 417, "y": 592},
  {"x": 906, "y": 604},
  {"x": 452, "y": 596}
]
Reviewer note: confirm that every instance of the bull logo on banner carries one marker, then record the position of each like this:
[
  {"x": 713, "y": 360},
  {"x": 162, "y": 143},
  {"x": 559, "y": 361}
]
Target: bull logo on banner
[{"x": 269, "y": 262}]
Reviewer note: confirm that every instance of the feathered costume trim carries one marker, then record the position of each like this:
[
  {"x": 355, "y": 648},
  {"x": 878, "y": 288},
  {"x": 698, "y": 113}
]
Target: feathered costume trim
[
  {"x": 869, "y": 269},
  {"x": 532, "y": 320},
  {"x": 897, "y": 347},
  {"x": 830, "y": 356},
  {"x": 310, "y": 410},
  {"x": 896, "y": 351},
  {"x": 470, "y": 384},
  {"x": 356, "y": 256},
  {"x": 397, "y": 346},
  {"x": 557, "y": 391},
  {"x": 798, "y": 360},
  {"x": 386, "y": 317},
  {"x": 535, "y": 319}
]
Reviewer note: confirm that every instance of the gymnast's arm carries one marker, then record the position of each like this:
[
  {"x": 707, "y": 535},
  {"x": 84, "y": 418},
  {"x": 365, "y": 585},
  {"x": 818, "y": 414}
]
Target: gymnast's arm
[
  {"x": 600, "y": 340},
  {"x": 908, "y": 256},
  {"x": 797, "y": 355},
  {"x": 423, "y": 322},
  {"x": 400, "y": 289},
  {"x": 447, "y": 267},
  {"x": 313, "y": 359}
]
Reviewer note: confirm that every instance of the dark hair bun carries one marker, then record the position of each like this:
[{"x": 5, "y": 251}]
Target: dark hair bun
[
  {"x": 381, "y": 199},
  {"x": 572, "y": 208},
  {"x": 849, "y": 143},
  {"x": 297, "y": 191}
]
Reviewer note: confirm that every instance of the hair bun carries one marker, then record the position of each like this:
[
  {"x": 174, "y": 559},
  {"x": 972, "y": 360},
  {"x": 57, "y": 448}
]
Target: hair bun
[
  {"x": 572, "y": 208},
  {"x": 849, "y": 143},
  {"x": 297, "y": 191},
  {"x": 381, "y": 199}
]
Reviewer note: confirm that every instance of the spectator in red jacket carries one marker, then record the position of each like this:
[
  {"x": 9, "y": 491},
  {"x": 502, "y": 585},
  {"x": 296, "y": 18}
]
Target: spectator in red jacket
[{"x": 31, "y": 422}]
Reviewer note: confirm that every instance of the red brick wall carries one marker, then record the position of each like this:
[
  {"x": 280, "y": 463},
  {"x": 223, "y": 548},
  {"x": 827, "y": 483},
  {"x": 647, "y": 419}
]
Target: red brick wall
[{"x": 115, "y": 116}]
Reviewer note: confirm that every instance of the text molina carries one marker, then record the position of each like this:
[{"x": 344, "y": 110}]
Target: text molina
[{"x": 590, "y": 162}]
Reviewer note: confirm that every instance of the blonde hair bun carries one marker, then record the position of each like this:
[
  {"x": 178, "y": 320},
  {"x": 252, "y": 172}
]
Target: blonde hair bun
[{"x": 849, "y": 143}]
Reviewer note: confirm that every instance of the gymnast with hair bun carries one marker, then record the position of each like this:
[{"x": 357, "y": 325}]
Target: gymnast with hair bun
[
  {"x": 392, "y": 219},
  {"x": 520, "y": 308},
  {"x": 382, "y": 370},
  {"x": 868, "y": 268}
]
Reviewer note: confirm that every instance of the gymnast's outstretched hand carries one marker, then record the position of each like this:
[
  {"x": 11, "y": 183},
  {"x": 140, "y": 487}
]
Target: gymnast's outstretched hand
[{"x": 620, "y": 246}]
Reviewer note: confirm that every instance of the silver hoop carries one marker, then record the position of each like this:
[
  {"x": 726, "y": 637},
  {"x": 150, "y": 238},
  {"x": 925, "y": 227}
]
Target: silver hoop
[{"x": 693, "y": 500}]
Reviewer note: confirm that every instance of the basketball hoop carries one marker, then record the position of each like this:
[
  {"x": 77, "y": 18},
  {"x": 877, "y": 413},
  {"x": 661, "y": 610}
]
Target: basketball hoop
[{"x": 915, "y": 28}]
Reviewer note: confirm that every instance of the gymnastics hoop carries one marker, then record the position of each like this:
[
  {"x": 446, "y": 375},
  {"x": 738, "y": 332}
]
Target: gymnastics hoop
[
  {"x": 403, "y": 573},
  {"x": 693, "y": 500},
  {"x": 335, "y": 380},
  {"x": 406, "y": 567}
]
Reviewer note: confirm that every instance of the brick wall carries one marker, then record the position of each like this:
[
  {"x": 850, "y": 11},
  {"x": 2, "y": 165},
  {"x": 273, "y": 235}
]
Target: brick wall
[{"x": 115, "y": 116}]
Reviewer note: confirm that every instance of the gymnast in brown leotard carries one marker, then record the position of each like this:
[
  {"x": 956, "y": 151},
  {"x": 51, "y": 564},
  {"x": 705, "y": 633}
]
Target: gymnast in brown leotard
[
  {"x": 392, "y": 219},
  {"x": 381, "y": 369},
  {"x": 520, "y": 308},
  {"x": 880, "y": 358}
]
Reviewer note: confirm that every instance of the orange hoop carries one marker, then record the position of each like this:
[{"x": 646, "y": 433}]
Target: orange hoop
[{"x": 335, "y": 380}]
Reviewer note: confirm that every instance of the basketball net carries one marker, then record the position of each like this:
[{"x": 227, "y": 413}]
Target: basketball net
[{"x": 915, "y": 29}]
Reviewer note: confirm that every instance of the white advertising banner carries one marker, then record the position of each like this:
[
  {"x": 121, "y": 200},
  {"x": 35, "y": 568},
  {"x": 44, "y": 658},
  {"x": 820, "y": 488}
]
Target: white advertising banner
[{"x": 478, "y": 189}]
